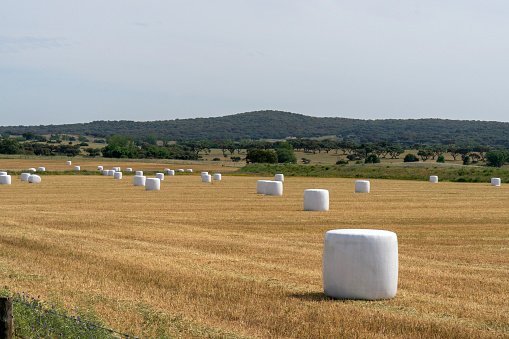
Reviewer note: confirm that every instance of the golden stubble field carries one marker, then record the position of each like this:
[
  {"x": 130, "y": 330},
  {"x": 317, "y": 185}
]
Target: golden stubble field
[{"x": 218, "y": 260}]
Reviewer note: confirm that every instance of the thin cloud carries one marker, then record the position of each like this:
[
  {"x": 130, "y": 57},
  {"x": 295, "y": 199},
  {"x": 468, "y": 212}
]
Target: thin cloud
[{"x": 9, "y": 44}]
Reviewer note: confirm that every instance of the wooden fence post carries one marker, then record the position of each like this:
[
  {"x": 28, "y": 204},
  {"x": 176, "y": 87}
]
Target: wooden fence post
[{"x": 6, "y": 318}]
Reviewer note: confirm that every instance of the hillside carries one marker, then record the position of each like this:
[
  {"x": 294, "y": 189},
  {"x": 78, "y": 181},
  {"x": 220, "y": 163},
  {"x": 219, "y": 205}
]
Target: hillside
[{"x": 278, "y": 125}]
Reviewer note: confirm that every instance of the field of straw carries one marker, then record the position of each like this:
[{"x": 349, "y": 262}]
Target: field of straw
[{"x": 218, "y": 260}]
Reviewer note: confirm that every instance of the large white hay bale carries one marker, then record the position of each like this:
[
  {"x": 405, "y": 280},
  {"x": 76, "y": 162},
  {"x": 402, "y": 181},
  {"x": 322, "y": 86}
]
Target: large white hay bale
[
  {"x": 274, "y": 188},
  {"x": 100, "y": 168},
  {"x": 31, "y": 169},
  {"x": 279, "y": 177},
  {"x": 111, "y": 173},
  {"x": 77, "y": 168},
  {"x": 153, "y": 184},
  {"x": 361, "y": 186},
  {"x": 433, "y": 178},
  {"x": 129, "y": 169},
  {"x": 204, "y": 173},
  {"x": 116, "y": 169},
  {"x": 180, "y": 170},
  {"x": 189, "y": 170},
  {"x": 117, "y": 175},
  {"x": 3, "y": 173},
  {"x": 41, "y": 169},
  {"x": 105, "y": 172},
  {"x": 260, "y": 186},
  {"x": 316, "y": 200},
  {"x": 68, "y": 163},
  {"x": 139, "y": 180},
  {"x": 5, "y": 179},
  {"x": 160, "y": 176},
  {"x": 34, "y": 179},
  {"x": 139, "y": 173},
  {"x": 166, "y": 170},
  {"x": 24, "y": 176},
  {"x": 360, "y": 264},
  {"x": 171, "y": 172},
  {"x": 495, "y": 181},
  {"x": 206, "y": 178},
  {"x": 217, "y": 176}
]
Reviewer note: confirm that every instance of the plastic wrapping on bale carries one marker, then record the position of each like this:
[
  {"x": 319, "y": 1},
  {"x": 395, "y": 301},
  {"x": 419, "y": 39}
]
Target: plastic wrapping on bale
[
  {"x": 31, "y": 169},
  {"x": 24, "y": 176},
  {"x": 260, "y": 186},
  {"x": 34, "y": 179},
  {"x": 495, "y": 181},
  {"x": 77, "y": 168},
  {"x": 129, "y": 169},
  {"x": 180, "y": 170},
  {"x": 361, "y": 186},
  {"x": 3, "y": 173},
  {"x": 204, "y": 173},
  {"x": 139, "y": 180},
  {"x": 117, "y": 175},
  {"x": 217, "y": 176},
  {"x": 41, "y": 169},
  {"x": 5, "y": 179},
  {"x": 206, "y": 178},
  {"x": 160, "y": 176},
  {"x": 316, "y": 200},
  {"x": 273, "y": 188},
  {"x": 433, "y": 178},
  {"x": 279, "y": 177},
  {"x": 100, "y": 168},
  {"x": 116, "y": 169},
  {"x": 189, "y": 170},
  {"x": 105, "y": 172},
  {"x": 360, "y": 264},
  {"x": 139, "y": 173},
  {"x": 153, "y": 184},
  {"x": 68, "y": 163},
  {"x": 171, "y": 172},
  {"x": 111, "y": 173}
]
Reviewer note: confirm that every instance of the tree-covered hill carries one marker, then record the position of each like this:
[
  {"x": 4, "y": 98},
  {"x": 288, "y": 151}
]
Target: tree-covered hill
[{"x": 278, "y": 125}]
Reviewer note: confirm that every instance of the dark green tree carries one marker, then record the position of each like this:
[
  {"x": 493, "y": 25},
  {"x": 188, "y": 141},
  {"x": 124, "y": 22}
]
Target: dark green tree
[
  {"x": 11, "y": 146},
  {"x": 261, "y": 156},
  {"x": 496, "y": 158}
]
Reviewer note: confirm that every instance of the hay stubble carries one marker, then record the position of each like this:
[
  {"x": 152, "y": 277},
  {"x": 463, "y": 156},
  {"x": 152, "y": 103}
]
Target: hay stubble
[{"x": 221, "y": 260}]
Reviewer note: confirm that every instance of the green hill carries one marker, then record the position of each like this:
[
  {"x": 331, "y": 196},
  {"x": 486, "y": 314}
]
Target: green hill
[{"x": 279, "y": 125}]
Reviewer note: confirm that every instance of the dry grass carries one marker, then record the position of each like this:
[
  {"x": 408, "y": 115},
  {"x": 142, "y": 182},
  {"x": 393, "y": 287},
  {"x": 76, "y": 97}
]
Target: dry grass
[{"x": 218, "y": 260}]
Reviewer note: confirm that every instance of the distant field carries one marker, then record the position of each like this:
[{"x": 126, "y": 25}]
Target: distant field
[{"x": 219, "y": 260}]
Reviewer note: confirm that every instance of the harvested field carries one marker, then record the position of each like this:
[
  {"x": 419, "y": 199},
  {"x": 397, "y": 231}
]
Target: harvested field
[{"x": 216, "y": 259}]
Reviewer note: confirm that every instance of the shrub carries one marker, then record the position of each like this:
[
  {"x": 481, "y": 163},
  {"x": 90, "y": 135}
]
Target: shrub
[
  {"x": 341, "y": 162},
  {"x": 235, "y": 159},
  {"x": 466, "y": 160},
  {"x": 216, "y": 159},
  {"x": 305, "y": 160},
  {"x": 495, "y": 158},
  {"x": 410, "y": 158},
  {"x": 261, "y": 156},
  {"x": 441, "y": 159},
  {"x": 372, "y": 159},
  {"x": 285, "y": 155}
]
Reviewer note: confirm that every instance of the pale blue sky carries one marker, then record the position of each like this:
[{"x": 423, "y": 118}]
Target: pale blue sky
[{"x": 66, "y": 61}]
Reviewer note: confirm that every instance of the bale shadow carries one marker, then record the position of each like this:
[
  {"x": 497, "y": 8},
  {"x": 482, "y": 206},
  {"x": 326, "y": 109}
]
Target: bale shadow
[{"x": 311, "y": 296}]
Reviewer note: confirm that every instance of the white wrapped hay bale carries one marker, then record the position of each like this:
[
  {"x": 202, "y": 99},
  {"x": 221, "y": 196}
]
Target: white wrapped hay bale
[
  {"x": 24, "y": 176},
  {"x": 152, "y": 184},
  {"x": 279, "y": 177},
  {"x": 204, "y": 173},
  {"x": 41, "y": 169},
  {"x": 5, "y": 179},
  {"x": 206, "y": 178},
  {"x": 34, "y": 179},
  {"x": 171, "y": 172},
  {"x": 180, "y": 170},
  {"x": 129, "y": 169},
  {"x": 77, "y": 168},
  {"x": 31, "y": 169},
  {"x": 260, "y": 186},
  {"x": 189, "y": 170},
  {"x": 361, "y": 186},
  {"x": 116, "y": 169},
  {"x": 433, "y": 178},
  {"x": 139, "y": 180},
  {"x": 105, "y": 172},
  {"x": 274, "y": 188},
  {"x": 495, "y": 181},
  {"x": 139, "y": 173},
  {"x": 111, "y": 173},
  {"x": 100, "y": 168},
  {"x": 68, "y": 163},
  {"x": 3, "y": 173},
  {"x": 160, "y": 176},
  {"x": 316, "y": 200},
  {"x": 360, "y": 264},
  {"x": 166, "y": 170},
  {"x": 217, "y": 176},
  {"x": 117, "y": 175}
]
